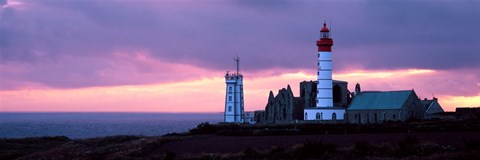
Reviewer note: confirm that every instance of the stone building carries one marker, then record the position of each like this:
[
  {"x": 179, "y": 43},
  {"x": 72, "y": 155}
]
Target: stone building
[
  {"x": 341, "y": 94},
  {"x": 366, "y": 107},
  {"x": 283, "y": 107},
  {"x": 286, "y": 108},
  {"x": 372, "y": 107}
]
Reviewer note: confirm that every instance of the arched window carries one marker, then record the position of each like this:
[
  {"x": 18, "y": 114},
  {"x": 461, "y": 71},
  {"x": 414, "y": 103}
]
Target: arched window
[
  {"x": 229, "y": 108},
  {"x": 317, "y": 116},
  {"x": 306, "y": 116},
  {"x": 334, "y": 116}
]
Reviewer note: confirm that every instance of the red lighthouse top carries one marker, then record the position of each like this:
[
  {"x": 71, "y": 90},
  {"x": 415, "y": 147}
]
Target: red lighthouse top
[
  {"x": 324, "y": 29},
  {"x": 325, "y": 42}
]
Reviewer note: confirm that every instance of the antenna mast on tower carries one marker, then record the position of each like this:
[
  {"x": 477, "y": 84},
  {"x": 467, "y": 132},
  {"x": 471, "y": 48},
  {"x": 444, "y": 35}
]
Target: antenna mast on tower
[
  {"x": 331, "y": 29},
  {"x": 237, "y": 59}
]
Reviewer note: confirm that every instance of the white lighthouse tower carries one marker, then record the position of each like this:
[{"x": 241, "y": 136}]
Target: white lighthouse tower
[
  {"x": 234, "y": 96},
  {"x": 324, "y": 109}
]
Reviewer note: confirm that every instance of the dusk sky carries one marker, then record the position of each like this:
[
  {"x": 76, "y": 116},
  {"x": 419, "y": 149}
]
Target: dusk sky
[{"x": 171, "y": 56}]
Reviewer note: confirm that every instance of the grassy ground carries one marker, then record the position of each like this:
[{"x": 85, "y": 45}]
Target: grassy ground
[{"x": 227, "y": 141}]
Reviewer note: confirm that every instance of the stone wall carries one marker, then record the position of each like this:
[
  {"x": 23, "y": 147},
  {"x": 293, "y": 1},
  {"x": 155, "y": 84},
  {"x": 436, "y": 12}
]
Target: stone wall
[
  {"x": 341, "y": 94},
  {"x": 259, "y": 116},
  {"x": 280, "y": 107},
  {"x": 308, "y": 91}
]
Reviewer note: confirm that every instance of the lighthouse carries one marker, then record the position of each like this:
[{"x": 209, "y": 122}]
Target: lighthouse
[
  {"x": 324, "y": 109},
  {"x": 234, "y": 111},
  {"x": 324, "y": 69}
]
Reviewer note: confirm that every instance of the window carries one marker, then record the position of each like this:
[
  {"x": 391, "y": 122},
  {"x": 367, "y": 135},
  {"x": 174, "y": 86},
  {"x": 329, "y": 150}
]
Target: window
[
  {"x": 229, "y": 108},
  {"x": 368, "y": 118},
  {"x": 355, "y": 116},
  {"x": 229, "y": 98},
  {"x": 334, "y": 116},
  {"x": 359, "y": 118},
  {"x": 394, "y": 117},
  {"x": 306, "y": 116},
  {"x": 384, "y": 117},
  {"x": 229, "y": 90},
  {"x": 317, "y": 116}
]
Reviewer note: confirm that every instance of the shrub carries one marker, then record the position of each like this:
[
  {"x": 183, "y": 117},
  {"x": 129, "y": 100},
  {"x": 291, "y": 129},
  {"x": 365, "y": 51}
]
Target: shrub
[
  {"x": 362, "y": 148},
  {"x": 408, "y": 146},
  {"x": 203, "y": 128},
  {"x": 313, "y": 149},
  {"x": 251, "y": 153},
  {"x": 471, "y": 143}
]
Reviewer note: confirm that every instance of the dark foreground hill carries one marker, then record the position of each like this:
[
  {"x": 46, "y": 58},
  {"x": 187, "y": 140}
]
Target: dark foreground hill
[{"x": 207, "y": 142}]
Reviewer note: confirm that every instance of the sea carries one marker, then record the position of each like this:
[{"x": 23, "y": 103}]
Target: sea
[{"x": 89, "y": 125}]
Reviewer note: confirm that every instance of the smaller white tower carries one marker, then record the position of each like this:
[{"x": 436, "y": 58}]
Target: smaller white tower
[{"x": 234, "y": 111}]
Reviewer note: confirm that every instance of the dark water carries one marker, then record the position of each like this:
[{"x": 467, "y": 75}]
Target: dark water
[{"x": 88, "y": 125}]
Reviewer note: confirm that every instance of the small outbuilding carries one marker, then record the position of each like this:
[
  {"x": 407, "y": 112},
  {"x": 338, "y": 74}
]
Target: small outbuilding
[{"x": 432, "y": 108}]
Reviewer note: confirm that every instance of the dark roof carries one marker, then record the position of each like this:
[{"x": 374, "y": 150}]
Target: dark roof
[
  {"x": 333, "y": 80},
  {"x": 380, "y": 100},
  {"x": 338, "y": 81}
]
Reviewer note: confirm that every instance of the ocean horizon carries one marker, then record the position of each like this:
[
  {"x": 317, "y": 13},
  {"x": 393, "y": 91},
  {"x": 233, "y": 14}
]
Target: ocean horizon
[{"x": 99, "y": 124}]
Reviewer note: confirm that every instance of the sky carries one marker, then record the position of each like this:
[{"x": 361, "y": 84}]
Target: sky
[{"x": 171, "y": 56}]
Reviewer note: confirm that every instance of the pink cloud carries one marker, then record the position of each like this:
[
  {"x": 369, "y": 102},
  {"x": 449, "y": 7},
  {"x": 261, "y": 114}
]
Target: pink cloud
[{"x": 207, "y": 94}]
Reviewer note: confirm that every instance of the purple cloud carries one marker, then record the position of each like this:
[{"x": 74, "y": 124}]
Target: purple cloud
[{"x": 79, "y": 38}]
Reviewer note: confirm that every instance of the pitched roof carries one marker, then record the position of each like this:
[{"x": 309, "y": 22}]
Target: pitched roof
[
  {"x": 426, "y": 104},
  {"x": 380, "y": 100}
]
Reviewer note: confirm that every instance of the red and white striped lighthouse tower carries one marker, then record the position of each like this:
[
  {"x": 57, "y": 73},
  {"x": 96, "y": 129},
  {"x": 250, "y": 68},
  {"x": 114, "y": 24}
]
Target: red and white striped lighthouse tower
[
  {"x": 324, "y": 73},
  {"x": 324, "y": 109}
]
